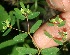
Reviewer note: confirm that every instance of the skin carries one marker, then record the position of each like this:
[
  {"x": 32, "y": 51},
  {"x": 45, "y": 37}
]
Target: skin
[
  {"x": 61, "y": 5},
  {"x": 43, "y": 41},
  {"x": 40, "y": 39}
]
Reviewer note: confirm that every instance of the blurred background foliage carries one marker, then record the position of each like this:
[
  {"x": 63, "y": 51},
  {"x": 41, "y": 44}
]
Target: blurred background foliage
[{"x": 34, "y": 5}]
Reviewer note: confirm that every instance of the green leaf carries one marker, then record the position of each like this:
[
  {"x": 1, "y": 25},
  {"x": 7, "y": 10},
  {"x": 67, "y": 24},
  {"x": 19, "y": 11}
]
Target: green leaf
[
  {"x": 24, "y": 50},
  {"x": 64, "y": 38},
  {"x": 20, "y": 37},
  {"x": 47, "y": 34},
  {"x": 1, "y": 26},
  {"x": 35, "y": 26},
  {"x": 3, "y": 18},
  {"x": 33, "y": 15},
  {"x": 3, "y": 14},
  {"x": 52, "y": 20},
  {"x": 21, "y": 54},
  {"x": 18, "y": 14},
  {"x": 26, "y": 45},
  {"x": 41, "y": 10},
  {"x": 14, "y": 51},
  {"x": 58, "y": 19},
  {"x": 58, "y": 42},
  {"x": 11, "y": 13},
  {"x": 50, "y": 24},
  {"x": 28, "y": 1},
  {"x": 50, "y": 51},
  {"x": 17, "y": 11},
  {"x": 62, "y": 23},
  {"x": 43, "y": 3},
  {"x": 60, "y": 33},
  {"x": 16, "y": 39},
  {"x": 6, "y": 32},
  {"x": 7, "y": 43},
  {"x": 22, "y": 5},
  {"x": 12, "y": 23},
  {"x": 64, "y": 35},
  {"x": 27, "y": 6}
]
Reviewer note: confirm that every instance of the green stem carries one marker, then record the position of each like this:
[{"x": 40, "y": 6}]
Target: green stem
[
  {"x": 35, "y": 5},
  {"x": 28, "y": 25},
  {"x": 18, "y": 25}
]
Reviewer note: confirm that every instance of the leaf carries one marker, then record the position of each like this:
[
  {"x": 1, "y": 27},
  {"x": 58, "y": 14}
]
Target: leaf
[
  {"x": 22, "y": 5},
  {"x": 14, "y": 51},
  {"x": 28, "y": 1},
  {"x": 41, "y": 10},
  {"x": 3, "y": 14},
  {"x": 50, "y": 24},
  {"x": 33, "y": 15},
  {"x": 3, "y": 17},
  {"x": 11, "y": 13},
  {"x": 62, "y": 23},
  {"x": 27, "y": 6},
  {"x": 16, "y": 39},
  {"x": 43, "y": 3},
  {"x": 17, "y": 10},
  {"x": 1, "y": 26},
  {"x": 35, "y": 26},
  {"x": 20, "y": 37},
  {"x": 12, "y": 22},
  {"x": 60, "y": 33},
  {"x": 24, "y": 50},
  {"x": 6, "y": 32},
  {"x": 58, "y": 19},
  {"x": 7, "y": 43},
  {"x": 26, "y": 45},
  {"x": 64, "y": 38},
  {"x": 21, "y": 54},
  {"x": 52, "y": 20},
  {"x": 50, "y": 51},
  {"x": 58, "y": 42},
  {"x": 47, "y": 34},
  {"x": 18, "y": 14},
  {"x": 64, "y": 35}
]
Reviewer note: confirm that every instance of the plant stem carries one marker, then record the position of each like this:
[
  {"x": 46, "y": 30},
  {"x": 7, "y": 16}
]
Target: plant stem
[
  {"x": 35, "y": 5},
  {"x": 28, "y": 26},
  {"x": 18, "y": 25},
  {"x": 39, "y": 51}
]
